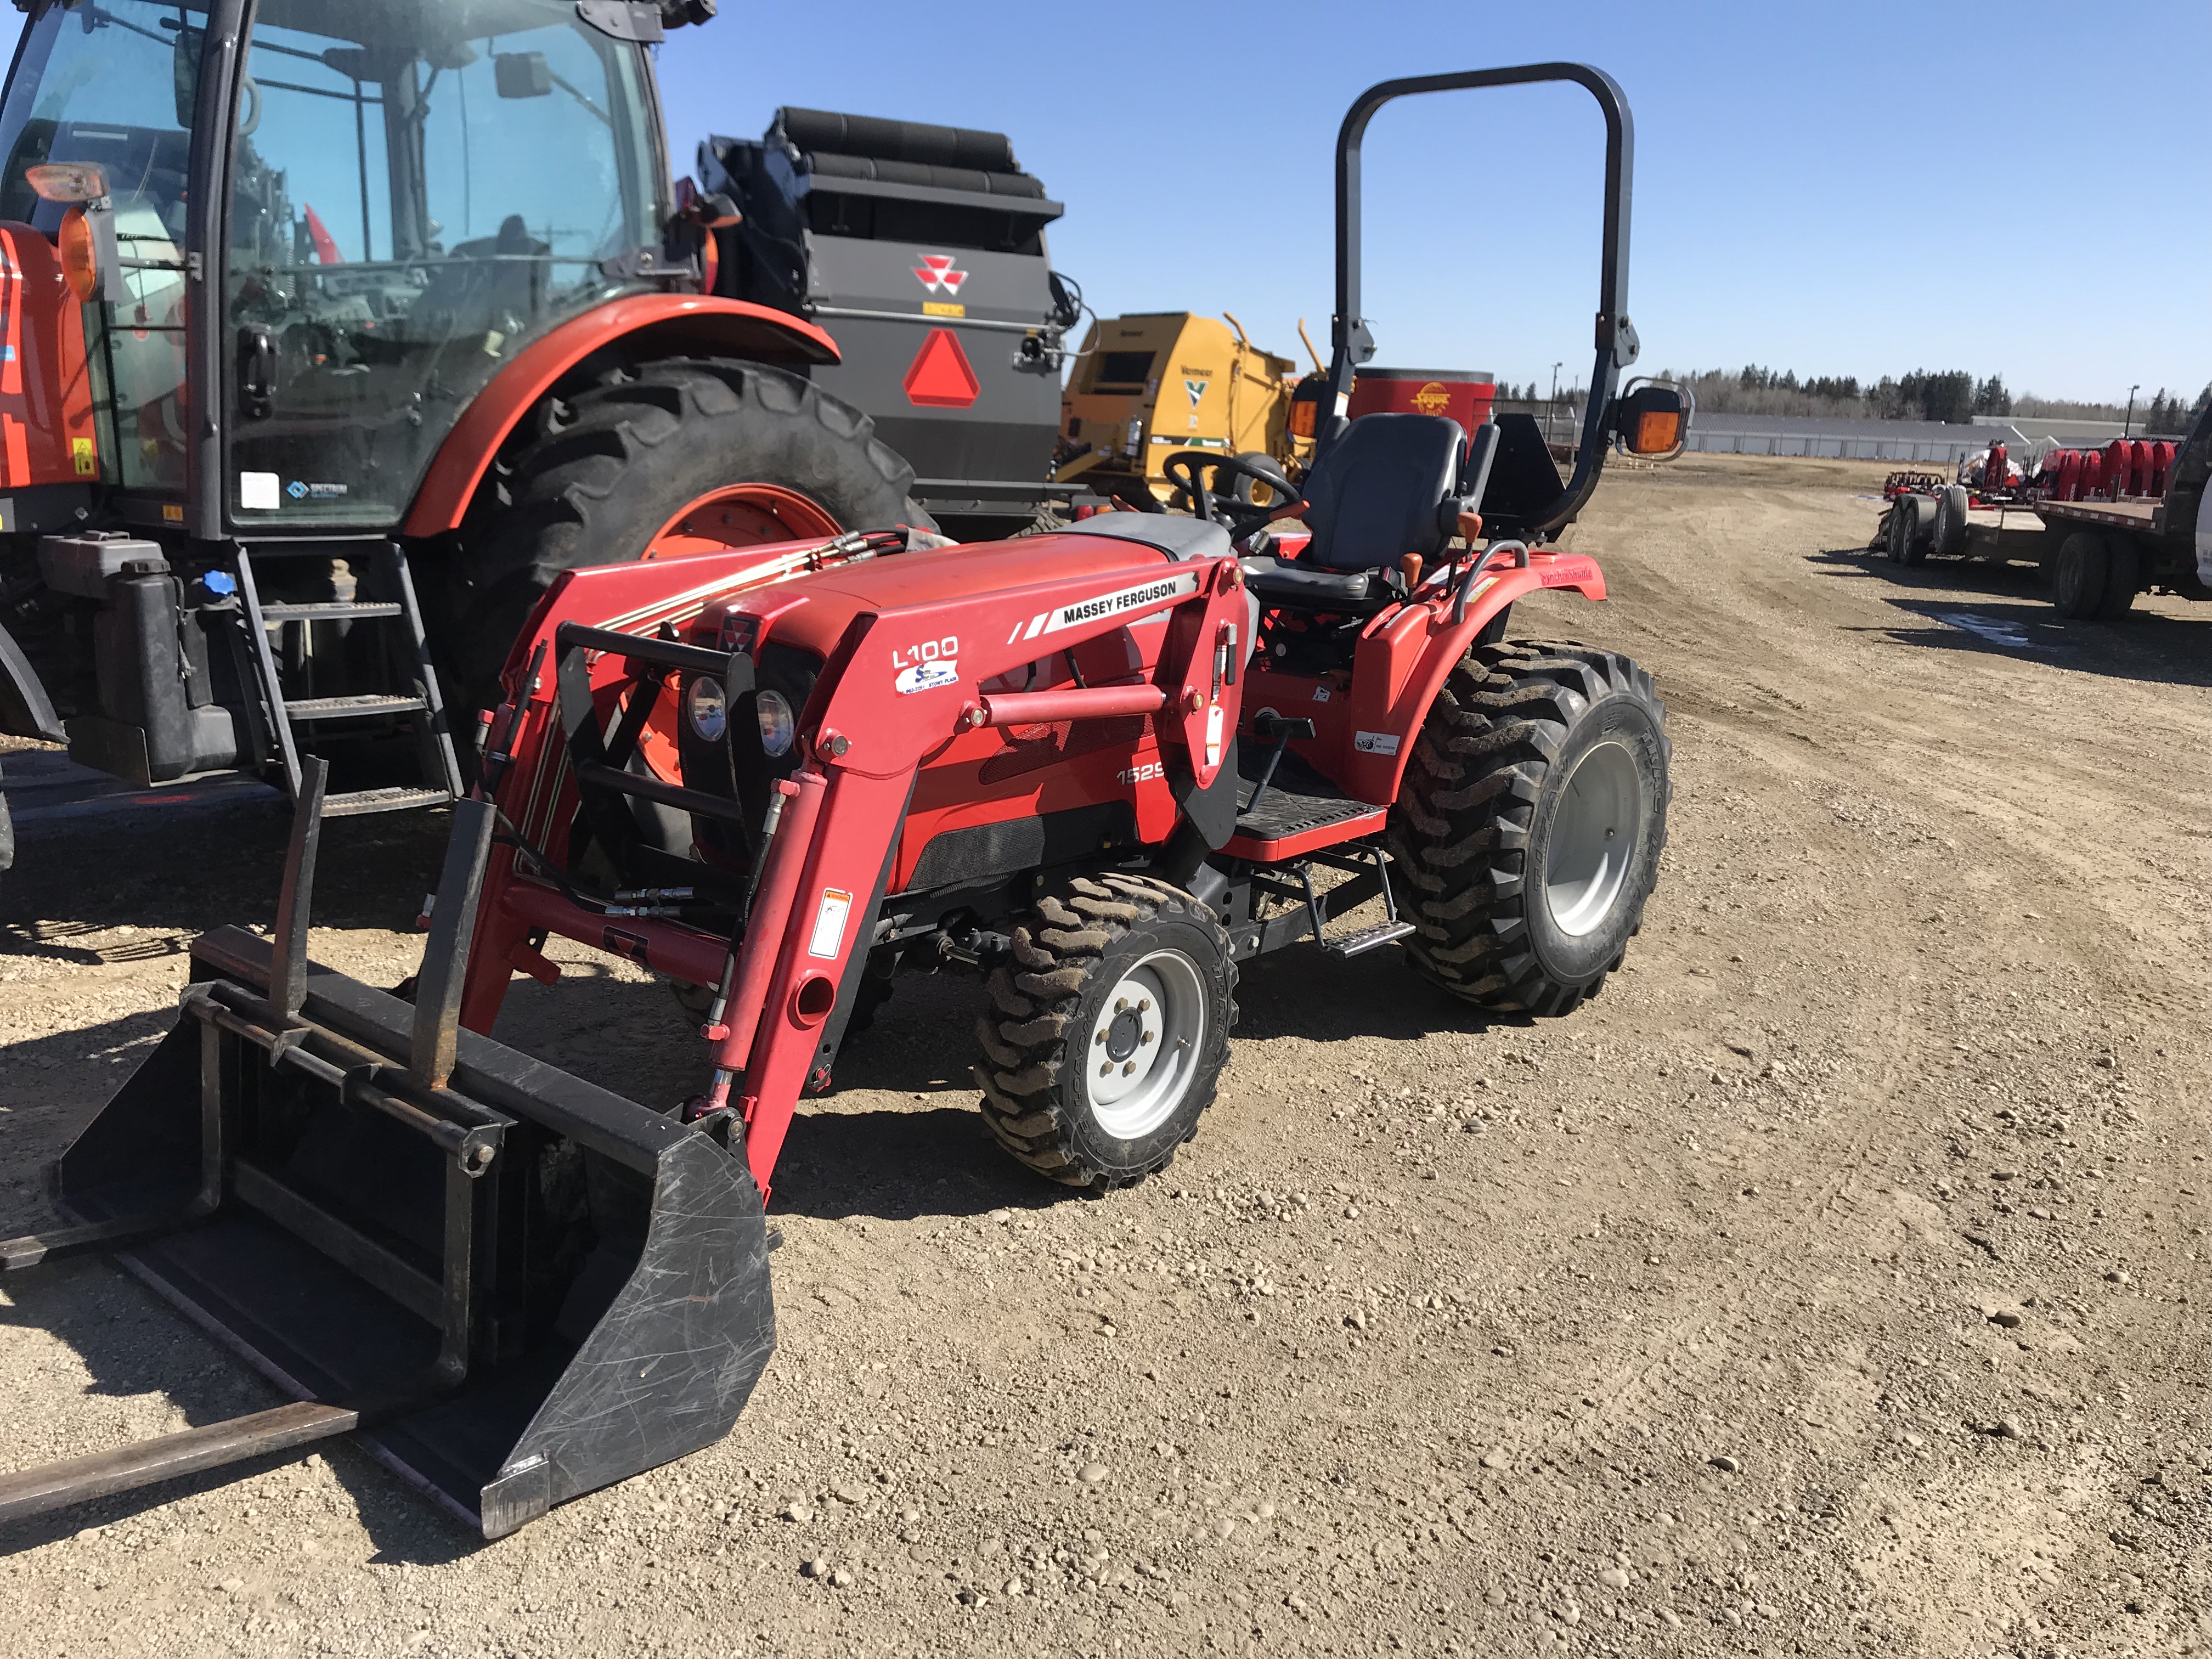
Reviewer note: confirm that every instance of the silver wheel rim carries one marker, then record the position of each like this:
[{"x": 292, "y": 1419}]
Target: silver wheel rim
[
  {"x": 1594, "y": 835},
  {"x": 1142, "y": 1048}
]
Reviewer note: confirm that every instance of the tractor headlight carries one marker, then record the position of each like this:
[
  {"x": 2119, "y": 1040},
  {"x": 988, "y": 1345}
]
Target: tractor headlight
[
  {"x": 709, "y": 709},
  {"x": 777, "y": 727}
]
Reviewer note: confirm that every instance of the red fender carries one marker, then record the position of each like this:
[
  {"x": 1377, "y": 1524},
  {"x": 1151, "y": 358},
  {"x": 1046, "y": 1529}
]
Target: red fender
[
  {"x": 1405, "y": 655},
  {"x": 669, "y": 324}
]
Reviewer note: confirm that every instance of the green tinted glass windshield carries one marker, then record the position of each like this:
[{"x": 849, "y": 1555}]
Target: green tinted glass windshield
[{"x": 419, "y": 188}]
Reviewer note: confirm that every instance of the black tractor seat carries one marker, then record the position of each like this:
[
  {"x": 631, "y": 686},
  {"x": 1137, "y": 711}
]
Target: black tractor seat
[
  {"x": 1391, "y": 485},
  {"x": 1296, "y": 582}
]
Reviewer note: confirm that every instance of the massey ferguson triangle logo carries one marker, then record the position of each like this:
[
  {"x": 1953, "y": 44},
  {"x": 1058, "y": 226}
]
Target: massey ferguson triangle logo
[{"x": 937, "y": 275}]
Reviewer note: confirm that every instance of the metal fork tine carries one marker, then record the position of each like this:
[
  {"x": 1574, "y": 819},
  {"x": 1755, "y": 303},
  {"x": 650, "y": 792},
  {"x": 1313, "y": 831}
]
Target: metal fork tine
[{"x": 288, "y": 978}]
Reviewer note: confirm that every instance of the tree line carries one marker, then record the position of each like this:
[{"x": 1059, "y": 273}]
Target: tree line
[{"x": 1950, "y": 395}]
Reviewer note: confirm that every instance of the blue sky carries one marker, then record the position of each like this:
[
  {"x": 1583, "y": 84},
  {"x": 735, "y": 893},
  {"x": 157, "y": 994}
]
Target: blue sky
[{"x": 1852, "y": 189}]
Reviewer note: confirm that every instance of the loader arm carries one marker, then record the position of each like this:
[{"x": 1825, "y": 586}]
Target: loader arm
[{"x": 791, "y": 971}]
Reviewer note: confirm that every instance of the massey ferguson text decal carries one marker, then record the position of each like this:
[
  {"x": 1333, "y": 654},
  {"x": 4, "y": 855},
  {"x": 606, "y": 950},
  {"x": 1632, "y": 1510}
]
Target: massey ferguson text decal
[{"x": 1108, "y": 604}]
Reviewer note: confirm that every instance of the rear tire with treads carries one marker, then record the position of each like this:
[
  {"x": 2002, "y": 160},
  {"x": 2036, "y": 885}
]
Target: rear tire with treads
[
  {"x": 1529, "y": 824},
  {"x": 594, "y": 476}
]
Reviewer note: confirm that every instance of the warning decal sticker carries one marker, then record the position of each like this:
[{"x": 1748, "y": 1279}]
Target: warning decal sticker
[{"x": 830, "y": 924}]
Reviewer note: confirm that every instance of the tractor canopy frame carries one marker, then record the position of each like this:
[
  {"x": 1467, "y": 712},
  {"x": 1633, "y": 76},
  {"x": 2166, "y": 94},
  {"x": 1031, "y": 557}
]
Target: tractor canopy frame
[{"x": 1352, "y": 344}]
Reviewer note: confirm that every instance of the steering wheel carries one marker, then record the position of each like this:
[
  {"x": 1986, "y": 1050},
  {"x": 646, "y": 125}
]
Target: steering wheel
[{"x": 1183, "y": 469}]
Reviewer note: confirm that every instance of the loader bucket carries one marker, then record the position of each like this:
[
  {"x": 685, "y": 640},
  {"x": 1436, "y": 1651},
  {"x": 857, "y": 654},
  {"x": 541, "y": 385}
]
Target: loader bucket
[{"x": 514, "y": 1285}]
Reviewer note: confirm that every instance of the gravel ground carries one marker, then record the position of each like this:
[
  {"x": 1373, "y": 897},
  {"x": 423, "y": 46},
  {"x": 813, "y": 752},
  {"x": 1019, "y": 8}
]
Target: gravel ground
[{"x": 1833, "y": 1283}]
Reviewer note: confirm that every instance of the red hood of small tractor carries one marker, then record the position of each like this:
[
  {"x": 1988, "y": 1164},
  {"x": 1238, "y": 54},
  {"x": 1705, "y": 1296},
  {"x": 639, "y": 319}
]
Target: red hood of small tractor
[{"x": 814, "y": 610}]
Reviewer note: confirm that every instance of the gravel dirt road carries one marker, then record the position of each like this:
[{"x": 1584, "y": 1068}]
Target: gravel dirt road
[{"x": 1834, "y": 1284}]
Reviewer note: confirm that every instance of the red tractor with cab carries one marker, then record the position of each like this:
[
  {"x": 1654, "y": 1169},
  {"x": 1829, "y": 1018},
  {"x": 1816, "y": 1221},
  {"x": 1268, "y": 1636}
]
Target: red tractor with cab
[
  {"x": 333, "y": 334},
  {"x": 1099, "y": 768}
]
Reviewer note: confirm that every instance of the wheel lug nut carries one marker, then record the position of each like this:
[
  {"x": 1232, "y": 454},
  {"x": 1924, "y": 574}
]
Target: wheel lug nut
[
  {"x": 1144, "y": 1005},
  {"x": 1128, "y": 1066},
  {"x": 1106, "y": 1070},
  {"x": 1120, "y": 1005},
  {"x": 1101, "y": 1035}
]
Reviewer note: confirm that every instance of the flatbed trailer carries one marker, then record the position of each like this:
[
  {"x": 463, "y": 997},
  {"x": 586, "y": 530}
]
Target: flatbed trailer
[{"x": 2098, "y": 552}]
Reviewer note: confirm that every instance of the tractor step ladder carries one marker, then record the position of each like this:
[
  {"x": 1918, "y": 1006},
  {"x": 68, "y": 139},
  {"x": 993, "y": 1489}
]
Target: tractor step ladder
[
  {"x": 281, "y": 716},
  {"x": 1363, "y": 939}
]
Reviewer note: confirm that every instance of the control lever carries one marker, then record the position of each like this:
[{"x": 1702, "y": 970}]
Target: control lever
[{"x": 1270, "y": 727}]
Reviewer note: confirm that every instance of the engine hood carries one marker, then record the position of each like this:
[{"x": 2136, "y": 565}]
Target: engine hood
[{"x": 813, "y": 611}]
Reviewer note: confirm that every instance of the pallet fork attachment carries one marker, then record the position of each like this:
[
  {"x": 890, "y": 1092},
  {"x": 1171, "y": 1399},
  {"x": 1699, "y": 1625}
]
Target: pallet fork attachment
[{"x": 515, "y": 1286}]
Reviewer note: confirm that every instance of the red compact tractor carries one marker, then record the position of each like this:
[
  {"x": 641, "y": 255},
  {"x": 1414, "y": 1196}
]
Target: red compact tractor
[{"x": 1099, "y": 768}]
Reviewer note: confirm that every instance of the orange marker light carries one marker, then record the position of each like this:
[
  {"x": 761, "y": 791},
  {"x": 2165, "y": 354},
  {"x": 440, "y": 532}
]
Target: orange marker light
[
  {"x": 1655, "y": 434},
  {"x": 80, "y": 258}
]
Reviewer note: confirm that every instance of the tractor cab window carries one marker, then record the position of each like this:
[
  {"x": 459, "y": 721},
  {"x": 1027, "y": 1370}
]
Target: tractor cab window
[
  {"x": 111, "y": 82},
  {"x": 417, "y": 191}
]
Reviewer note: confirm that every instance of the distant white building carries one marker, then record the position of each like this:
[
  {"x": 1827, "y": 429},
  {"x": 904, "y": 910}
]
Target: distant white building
[{"x": 1930, "y": 443}]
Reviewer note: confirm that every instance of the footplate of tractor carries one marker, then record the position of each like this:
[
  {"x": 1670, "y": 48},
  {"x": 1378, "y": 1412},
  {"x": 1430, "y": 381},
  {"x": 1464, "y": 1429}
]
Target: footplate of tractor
[{"x": 512, "y": 1285}]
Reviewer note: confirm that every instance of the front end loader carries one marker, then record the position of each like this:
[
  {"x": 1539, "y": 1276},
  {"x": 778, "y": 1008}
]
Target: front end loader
[
  {"x": 514, "y": 1285},
  {"x": 1098, "y": 768}
]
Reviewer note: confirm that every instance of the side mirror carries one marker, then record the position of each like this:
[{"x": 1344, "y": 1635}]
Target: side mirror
[
  {"x": 522, "y": 75},
  {"x": 1653, "y": 420},
  {"x": 184, "y": 73}
]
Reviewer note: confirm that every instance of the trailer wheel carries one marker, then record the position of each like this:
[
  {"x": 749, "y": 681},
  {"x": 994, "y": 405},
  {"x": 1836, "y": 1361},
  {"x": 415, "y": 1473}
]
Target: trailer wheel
[
  {"x": 1909, "y": 529},
  {"x": 2122, "y": 578},
  {"x": 2077, "y": 580},
  {"x": 677, "y": 456},
  {"x": 1530, "y": 821},
  {"x": 1107, "y": 1030},
  {"x": 1948, "y": 538},
  {"x": 1919, "y": 527}
]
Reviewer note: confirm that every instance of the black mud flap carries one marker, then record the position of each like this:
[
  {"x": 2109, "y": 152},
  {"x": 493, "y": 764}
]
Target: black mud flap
[{"x": 1212, "y": 810}]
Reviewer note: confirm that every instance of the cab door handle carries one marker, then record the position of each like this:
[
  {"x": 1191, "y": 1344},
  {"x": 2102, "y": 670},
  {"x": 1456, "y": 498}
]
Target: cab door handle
[{"x": 257, "y": 373}]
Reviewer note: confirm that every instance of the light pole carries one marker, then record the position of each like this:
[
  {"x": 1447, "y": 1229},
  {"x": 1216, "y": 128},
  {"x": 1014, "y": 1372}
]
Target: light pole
[
  {"x": 2128, "y": 425},
  {"x": 1552, "y": 415}
]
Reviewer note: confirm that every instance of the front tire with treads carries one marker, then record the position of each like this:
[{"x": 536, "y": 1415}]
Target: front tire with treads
[
  {"x": 1107, "y": 1029},
  {"x": 1529, "y": 824}
]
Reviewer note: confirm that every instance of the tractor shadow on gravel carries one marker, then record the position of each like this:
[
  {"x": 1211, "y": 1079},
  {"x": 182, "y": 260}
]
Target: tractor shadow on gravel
[
  {"x": 849, "y": 1157},
  {"x": 204, "y": 870}
]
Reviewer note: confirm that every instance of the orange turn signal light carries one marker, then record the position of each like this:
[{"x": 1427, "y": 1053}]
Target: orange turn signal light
[
  {"x": 1657, "y": 433},
  {"x": 80, "y": 258},
  {"x": 1301, "y": 419}
]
